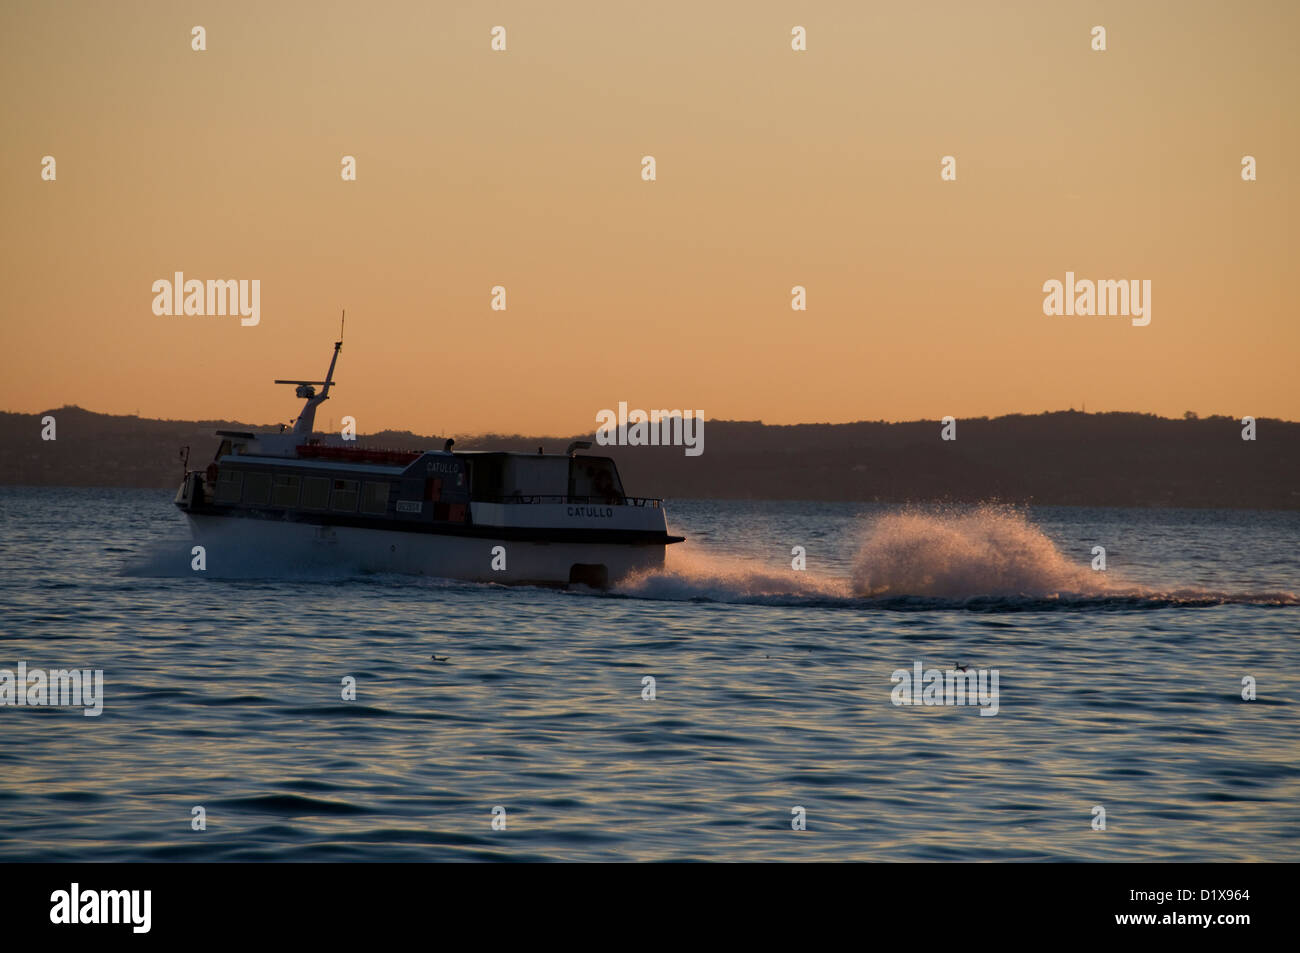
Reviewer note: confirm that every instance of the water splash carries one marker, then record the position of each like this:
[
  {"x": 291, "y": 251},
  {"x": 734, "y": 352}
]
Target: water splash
[
  {"x": 991, "y": 557},
  {"x": 692, "y": 574},
  {"x": 990, "y": 551}
]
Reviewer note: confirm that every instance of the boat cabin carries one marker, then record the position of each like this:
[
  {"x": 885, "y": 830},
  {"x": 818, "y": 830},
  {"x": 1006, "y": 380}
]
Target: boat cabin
[{"x": 497, "y": 477}]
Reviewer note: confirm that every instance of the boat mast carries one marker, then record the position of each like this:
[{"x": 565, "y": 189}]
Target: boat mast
[{"x": 307, "y": 389}]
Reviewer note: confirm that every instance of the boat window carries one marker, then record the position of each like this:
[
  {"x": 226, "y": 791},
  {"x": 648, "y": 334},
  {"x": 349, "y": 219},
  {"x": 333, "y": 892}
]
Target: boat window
[
  {"x": 374, "y": 499},
  {"x": 222, "y": 450},
  {"x": 286, "y": 490},
  {"x": 315, "y": 493},
  {"x": 486, "y": 477},
  {"x": 229, "y": 483},
  {"x": 345, "y": 496},
  {"x": 257, "y": 488},
  {"x": 594, "y": 480}
]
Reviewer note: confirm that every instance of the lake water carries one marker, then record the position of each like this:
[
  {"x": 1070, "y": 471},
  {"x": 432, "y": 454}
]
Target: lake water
[{"x": 1119, "y": 689}]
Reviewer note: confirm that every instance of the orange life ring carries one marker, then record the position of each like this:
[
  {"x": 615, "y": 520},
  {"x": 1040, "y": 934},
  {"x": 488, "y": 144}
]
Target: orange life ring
[{"x": 212, "y": 473}]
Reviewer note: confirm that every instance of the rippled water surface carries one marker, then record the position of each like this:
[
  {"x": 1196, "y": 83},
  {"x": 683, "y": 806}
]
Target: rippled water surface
[{"x": 222, "y": 690}]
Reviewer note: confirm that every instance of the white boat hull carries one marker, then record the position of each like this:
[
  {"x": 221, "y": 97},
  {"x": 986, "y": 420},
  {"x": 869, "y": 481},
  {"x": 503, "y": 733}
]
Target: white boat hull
[{"x": 470, "y": 558}]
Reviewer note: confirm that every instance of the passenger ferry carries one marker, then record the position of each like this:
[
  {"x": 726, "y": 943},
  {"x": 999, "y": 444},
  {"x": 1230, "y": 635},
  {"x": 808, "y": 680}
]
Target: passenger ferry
[{"x": 507, "y": 517}]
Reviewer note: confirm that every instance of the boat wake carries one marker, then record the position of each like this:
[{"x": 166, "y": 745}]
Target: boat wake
[
  {"x": 229, "y": 552},
  {"x": 695, "y": 575},
  {"x": 990, "y": 558}
]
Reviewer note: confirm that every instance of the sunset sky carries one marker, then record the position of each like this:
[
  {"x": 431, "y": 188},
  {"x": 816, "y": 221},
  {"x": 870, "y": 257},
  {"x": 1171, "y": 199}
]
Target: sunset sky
[{"x": 775, "y": 168}]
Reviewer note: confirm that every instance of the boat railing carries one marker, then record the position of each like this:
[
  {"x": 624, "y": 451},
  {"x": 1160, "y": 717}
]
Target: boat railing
[
  {"x": 380, "y": 455},
  {"x": 569, "y": 498}
]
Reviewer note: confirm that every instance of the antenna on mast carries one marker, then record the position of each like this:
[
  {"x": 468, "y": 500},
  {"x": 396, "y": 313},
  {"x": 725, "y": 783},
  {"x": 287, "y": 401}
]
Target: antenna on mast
[{"x": 307, "y": 389}]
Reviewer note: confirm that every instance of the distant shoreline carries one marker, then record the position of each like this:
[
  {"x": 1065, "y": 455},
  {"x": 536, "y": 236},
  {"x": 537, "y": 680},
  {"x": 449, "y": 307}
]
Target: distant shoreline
[
  {"x": 1062, "y": 458},
  {"x": 677, "y": 500}
]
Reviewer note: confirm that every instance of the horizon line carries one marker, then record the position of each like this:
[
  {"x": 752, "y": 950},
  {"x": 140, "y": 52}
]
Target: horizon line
[{"x": 495, "y": 433}]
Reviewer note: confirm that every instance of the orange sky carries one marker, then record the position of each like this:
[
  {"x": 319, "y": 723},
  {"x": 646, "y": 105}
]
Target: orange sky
[{"x": 775, "y": 168}]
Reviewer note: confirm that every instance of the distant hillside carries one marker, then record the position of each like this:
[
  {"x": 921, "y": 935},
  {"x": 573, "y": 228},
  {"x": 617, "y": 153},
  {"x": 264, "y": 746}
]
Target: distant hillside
[{"x": 1113, "y": 459}]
